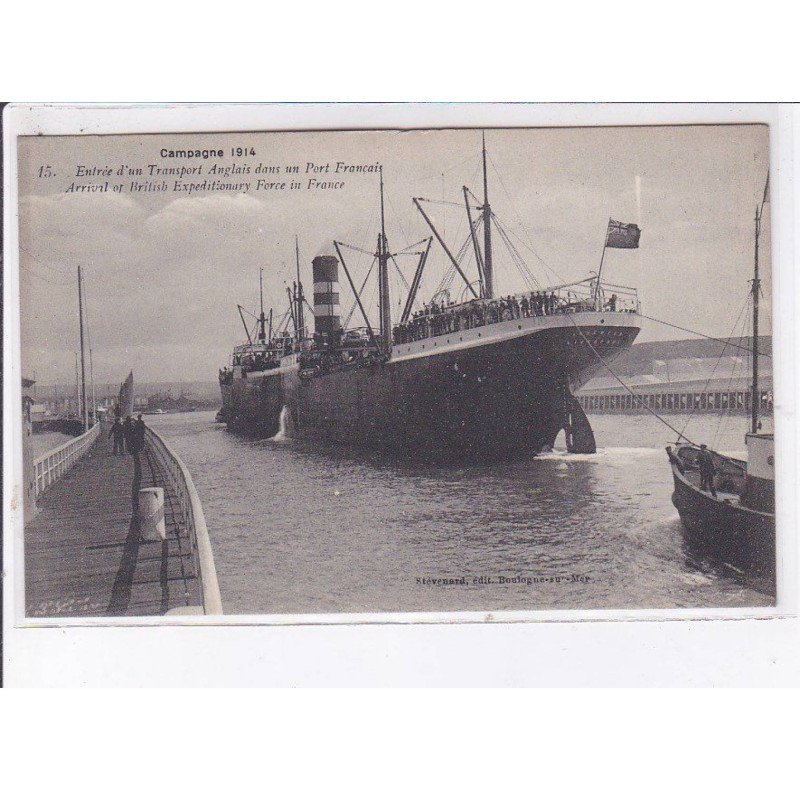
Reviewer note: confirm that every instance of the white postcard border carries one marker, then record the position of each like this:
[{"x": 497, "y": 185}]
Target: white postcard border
[{"x": 98, "y": 119}]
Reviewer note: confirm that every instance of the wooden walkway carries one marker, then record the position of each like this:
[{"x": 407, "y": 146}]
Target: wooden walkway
[{"x": 83, "y": 554}]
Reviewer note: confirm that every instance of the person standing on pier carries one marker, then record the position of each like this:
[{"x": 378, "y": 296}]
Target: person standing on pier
[
  {"x": 118, "y": 434},
  {"x": 127, "y": 433},
  {"x": 137, "y": 436}
]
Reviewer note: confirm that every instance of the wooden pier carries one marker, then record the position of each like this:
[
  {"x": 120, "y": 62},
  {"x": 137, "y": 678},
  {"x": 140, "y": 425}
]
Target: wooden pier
[{"x": 83, "y": 552}]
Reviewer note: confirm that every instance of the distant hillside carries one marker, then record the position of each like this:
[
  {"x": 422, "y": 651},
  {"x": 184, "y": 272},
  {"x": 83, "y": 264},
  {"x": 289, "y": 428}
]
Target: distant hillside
[
  {"x": 202, "y": 390},
  {"x": 639, "y": 359}
]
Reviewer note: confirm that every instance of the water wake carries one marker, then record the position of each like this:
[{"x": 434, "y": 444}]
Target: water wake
[
  {"x": 285, "y": 426},
  {"x": 602, "y": 454}
]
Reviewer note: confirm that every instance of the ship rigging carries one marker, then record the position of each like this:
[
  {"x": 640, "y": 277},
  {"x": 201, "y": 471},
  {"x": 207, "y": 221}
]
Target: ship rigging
[{"x": 479, "y": 376}]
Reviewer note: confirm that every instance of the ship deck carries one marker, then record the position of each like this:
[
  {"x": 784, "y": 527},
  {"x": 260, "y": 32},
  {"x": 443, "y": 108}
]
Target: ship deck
[
  {"x": 692, "y": 477},
  {"x": 514, "y": 328},
  {"x": 611, "y": 323}
]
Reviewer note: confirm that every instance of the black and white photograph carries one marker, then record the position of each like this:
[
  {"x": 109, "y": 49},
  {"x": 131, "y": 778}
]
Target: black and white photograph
[
  {"x": 459, "y": 369},
  {"x": 417, "y": 347}
]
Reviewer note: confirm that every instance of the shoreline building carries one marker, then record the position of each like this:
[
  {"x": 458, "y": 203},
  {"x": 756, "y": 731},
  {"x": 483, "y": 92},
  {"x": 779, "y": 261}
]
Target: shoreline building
[{"x": 696, "y": 375}]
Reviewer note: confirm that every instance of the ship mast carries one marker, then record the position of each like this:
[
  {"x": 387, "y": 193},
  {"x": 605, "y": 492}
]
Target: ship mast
[
  {"x": 475, "y": 246},
  {"x": 755, "y": 400},
  {"x": 299, "y": 295},
  {"x": 488, "y": 274},
  {"x": 382, "y": 255},
  {"x": 261, "y": 319}
]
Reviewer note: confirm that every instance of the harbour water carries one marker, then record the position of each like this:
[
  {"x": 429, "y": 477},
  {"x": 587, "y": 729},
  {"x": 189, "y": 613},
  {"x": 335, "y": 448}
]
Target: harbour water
[
  {"x": 299, "y": 530},
  {"x": 41, "y": 443}
]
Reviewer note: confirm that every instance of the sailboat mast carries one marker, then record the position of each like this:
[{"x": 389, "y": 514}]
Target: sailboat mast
[
  {"x": 84, "y": 407},
  {"x": 91, "y": 380},
  {"x": 383, "y": 279},
  {"x": 488, "y": 274},
  {"x": 77, "y": 389},
  {"x": 261, "y": 332},
  {"x": 755, "y": 400}
]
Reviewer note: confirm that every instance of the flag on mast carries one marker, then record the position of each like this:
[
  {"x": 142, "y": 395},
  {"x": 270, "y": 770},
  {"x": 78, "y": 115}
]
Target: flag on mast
[{"x": 622, "y": 234}]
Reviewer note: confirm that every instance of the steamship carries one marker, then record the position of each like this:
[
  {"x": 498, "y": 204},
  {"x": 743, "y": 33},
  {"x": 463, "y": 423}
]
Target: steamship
[{"x": 478, "y": 378}]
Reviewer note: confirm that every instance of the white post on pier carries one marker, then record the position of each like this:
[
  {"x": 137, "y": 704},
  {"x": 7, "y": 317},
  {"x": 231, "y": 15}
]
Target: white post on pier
[{"x": 151, "y": 514}]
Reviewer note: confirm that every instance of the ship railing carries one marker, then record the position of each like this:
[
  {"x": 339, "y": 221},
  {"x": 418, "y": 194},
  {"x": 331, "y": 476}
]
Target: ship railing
[
  {"x": 347, "y": 355},
  {"x": 608, "y": 297},
  {"x": 50, "y": 466},
  {"x": 192, "y": 518},
  {"x": 565, "y": 299}
]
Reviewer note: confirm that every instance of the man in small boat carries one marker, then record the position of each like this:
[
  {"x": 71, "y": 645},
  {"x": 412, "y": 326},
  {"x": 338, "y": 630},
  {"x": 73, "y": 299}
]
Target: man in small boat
[
  {"x": 707, "y": 470},
  {"x": 676, "y": 460}
]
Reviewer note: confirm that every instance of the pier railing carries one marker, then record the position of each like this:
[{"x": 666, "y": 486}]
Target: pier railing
[
  {"x": 50, "y": 466},
  {"x": 192, "y": 517}
]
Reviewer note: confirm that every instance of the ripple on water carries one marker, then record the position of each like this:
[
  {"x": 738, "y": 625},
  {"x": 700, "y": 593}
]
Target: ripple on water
[{"x": 299, "y": 530}]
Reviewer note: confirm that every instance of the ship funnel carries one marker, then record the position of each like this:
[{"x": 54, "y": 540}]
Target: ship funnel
[{"x": 326, "y": 294}]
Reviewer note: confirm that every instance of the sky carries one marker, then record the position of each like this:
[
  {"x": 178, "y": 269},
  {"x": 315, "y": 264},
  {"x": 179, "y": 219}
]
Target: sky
[{"x": 164, "y": 271}]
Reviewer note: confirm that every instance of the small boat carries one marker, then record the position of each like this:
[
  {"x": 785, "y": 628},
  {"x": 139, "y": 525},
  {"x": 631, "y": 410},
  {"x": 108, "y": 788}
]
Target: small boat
[
  {"x": 733, "y": 520},
  {"x": 737, "y": 526}
]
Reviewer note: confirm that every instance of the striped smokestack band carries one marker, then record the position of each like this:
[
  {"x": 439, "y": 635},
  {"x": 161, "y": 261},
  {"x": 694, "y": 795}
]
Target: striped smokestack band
[{"x": 326, "y": 294}]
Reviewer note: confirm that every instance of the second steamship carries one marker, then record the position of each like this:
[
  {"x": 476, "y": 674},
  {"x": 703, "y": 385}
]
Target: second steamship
[{"x": 483, "y": 378}]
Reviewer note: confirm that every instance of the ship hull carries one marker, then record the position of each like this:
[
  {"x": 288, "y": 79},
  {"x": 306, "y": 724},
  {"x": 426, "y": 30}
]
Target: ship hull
[
  {"x": 725, "y": 531},
  {"x": 480, "y": 394}
]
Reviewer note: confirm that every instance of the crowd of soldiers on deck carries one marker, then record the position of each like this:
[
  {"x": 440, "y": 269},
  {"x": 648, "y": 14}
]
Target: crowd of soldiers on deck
[
  {"x": 435, "y": 319},
  {"x": 253, "y": 359}
]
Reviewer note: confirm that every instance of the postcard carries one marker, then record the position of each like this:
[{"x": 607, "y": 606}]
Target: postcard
[{"x": 347, "y": 364}]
